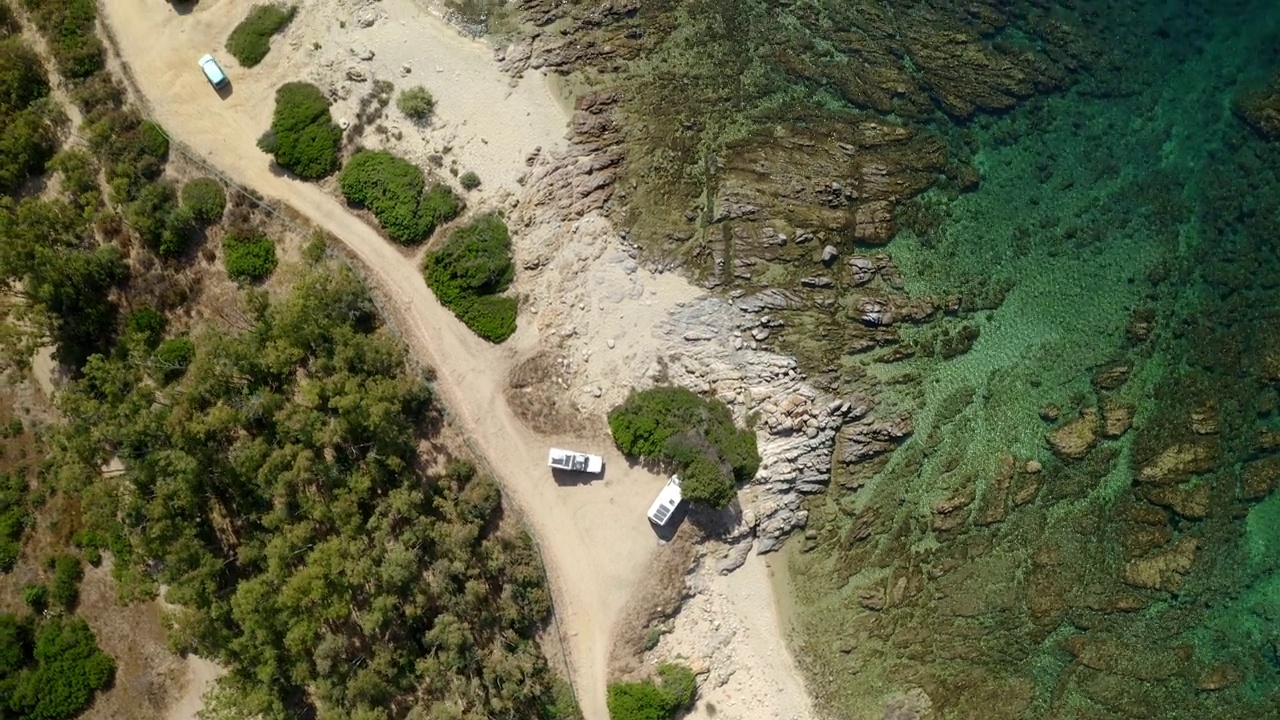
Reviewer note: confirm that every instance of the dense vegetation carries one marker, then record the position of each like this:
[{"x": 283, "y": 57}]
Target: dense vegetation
[
  {"x": 695, "y": 434},
  {"x": 49, "y": 668},
  {"x": 69, "y": 27},
  {"x": 166, "y": 226},
  {"x": 205, "y": 199},
  {"x": 392, "y": 188},
  {"x": 646, "y": 700},
  {"x": 49, "y": 258},
  {"x": 303, "y": 137},
  {"x": 250, "y": 41},
  {"x": 13, "y": 517},
  {"x": 469, "y": 271},
  {"x": 28, "y": 132},
  {"x": 248, "y": 255},
  {"x": 416, "y": 102},
  {"x": 276, "y": 488}
]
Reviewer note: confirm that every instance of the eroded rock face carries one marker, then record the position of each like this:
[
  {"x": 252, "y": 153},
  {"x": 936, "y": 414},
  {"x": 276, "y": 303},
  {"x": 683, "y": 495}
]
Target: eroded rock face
[
  {"x": 1073, "y": 440},
  {"x": 1163, "y": 570},
  {"x": 1260, "y": 109},
  {"x": 1179, "y": 462}
]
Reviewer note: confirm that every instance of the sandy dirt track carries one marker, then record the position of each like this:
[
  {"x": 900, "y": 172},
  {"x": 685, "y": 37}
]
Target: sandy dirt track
[{"x": 594, "y": 537}]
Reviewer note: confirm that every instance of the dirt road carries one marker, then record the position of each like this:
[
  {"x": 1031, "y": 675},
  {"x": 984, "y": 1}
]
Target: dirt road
[{"x": 594, "y": 537}]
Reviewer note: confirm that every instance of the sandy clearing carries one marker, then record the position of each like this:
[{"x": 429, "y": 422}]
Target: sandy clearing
[{"x": 595, "y": 540}]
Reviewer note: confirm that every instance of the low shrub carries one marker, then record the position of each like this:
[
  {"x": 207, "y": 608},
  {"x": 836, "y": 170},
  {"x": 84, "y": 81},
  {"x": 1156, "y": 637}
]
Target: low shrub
[
  {"x": 36, "y": 597},
  {"x": 206, "y": 200},
  {"x": 469, "y": 180},
  {"x": 303, "y": 138},
  {"x": 391, "y": 188},
  {"x": 648, "y": 701},
  {"x": 173, "y": 357},
  {"x": 250, "y": 41},
  {"x": 51, "y": 671},
  {"x": 67, "y": 573},
  {"x": 469, "y": 271},
  {"x": 416, "y": 103},
  {"x": 164, "y": 226},
  {"x": 695, "y": 434},
  {"x": 22, "y": 78},
  {"x": 492, "y": 317},
  {"x": 69, "y": 27},
  {"x": 13, "y": 518},
  {"x": 146, "y": 325},
  {"x": 248, "y": 256}
]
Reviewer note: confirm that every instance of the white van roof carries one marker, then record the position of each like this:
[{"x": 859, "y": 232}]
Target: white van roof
[{"x": 666, "y": 502}]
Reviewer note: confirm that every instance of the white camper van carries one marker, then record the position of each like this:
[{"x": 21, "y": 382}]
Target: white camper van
[{"x": 666, "y": 502}]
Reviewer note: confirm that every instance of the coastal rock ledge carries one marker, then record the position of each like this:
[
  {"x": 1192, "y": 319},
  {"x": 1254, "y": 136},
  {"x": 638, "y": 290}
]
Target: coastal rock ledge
[{"x": 708, "y": 349}]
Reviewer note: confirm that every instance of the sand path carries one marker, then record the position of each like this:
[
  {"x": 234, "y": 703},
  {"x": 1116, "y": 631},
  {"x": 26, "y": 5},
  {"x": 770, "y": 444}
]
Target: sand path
[{"x": 595, "y": 539}]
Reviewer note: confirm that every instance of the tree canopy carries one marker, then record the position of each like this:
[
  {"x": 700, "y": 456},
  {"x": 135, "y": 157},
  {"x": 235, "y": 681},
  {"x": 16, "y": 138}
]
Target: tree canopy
[{"x": 276, "y": 486}]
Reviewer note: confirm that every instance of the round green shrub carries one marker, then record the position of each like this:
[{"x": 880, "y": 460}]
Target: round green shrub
[
  {"x": 303, "y": 138},
  {"x": 416, "y": 103},
  {"x": 206, "y": 200},
  {"x": 250, "y": 41},
  {"x": 391, "y": 188},
  {"x": 248, "y": 256},
  {"x": 147, "y": 325},
  {"x": 173, "y": 357},
  {"x": 469, "y": 180},
  {"x": 36, "y": 597}
]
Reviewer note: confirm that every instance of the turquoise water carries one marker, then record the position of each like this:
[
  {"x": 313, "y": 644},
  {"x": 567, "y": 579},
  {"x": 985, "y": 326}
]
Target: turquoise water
[{"x": 1137, "y": 195}]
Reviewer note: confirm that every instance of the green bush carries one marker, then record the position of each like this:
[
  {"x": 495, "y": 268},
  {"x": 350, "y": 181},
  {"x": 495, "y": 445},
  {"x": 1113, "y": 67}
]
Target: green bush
[
  {"x": 250, "y": 41},
  {"x": 28, "y": 140},
  {"x": 173, "y": 357},
  {"x": 13, "y": 518},
  {"x": 147, "y": 325},
  {"x": 391, "y": 188},
  {"x": 165, "y": 226},
  {"x": 22, "y": 78},
  {"x": 206, "y": 200},
  {"x": 304, "y": 138},
  {"x": 678, "y": 683},
  {"x": 249, "y": 256},
  {"x": 695, "y": 434},
  {"x": 56, "y": 676},
  {"x": 67, "y": 573},
  {"x": 702, "y": 480},
  {"x": 69, "y": 27},
  {"x": 646, "y": 701},
  {"x": 469, "y": 271},
  {"x": 492, "y": 317},
  {"x": 469, "y": 180},
  {"x": 36, "y": 597},
  {"x": 416, "y": 103}
]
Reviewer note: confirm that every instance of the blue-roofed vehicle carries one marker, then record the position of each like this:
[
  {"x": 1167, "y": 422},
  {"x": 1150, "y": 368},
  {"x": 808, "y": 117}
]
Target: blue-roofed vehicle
[{"x": 213, "y": 72}]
